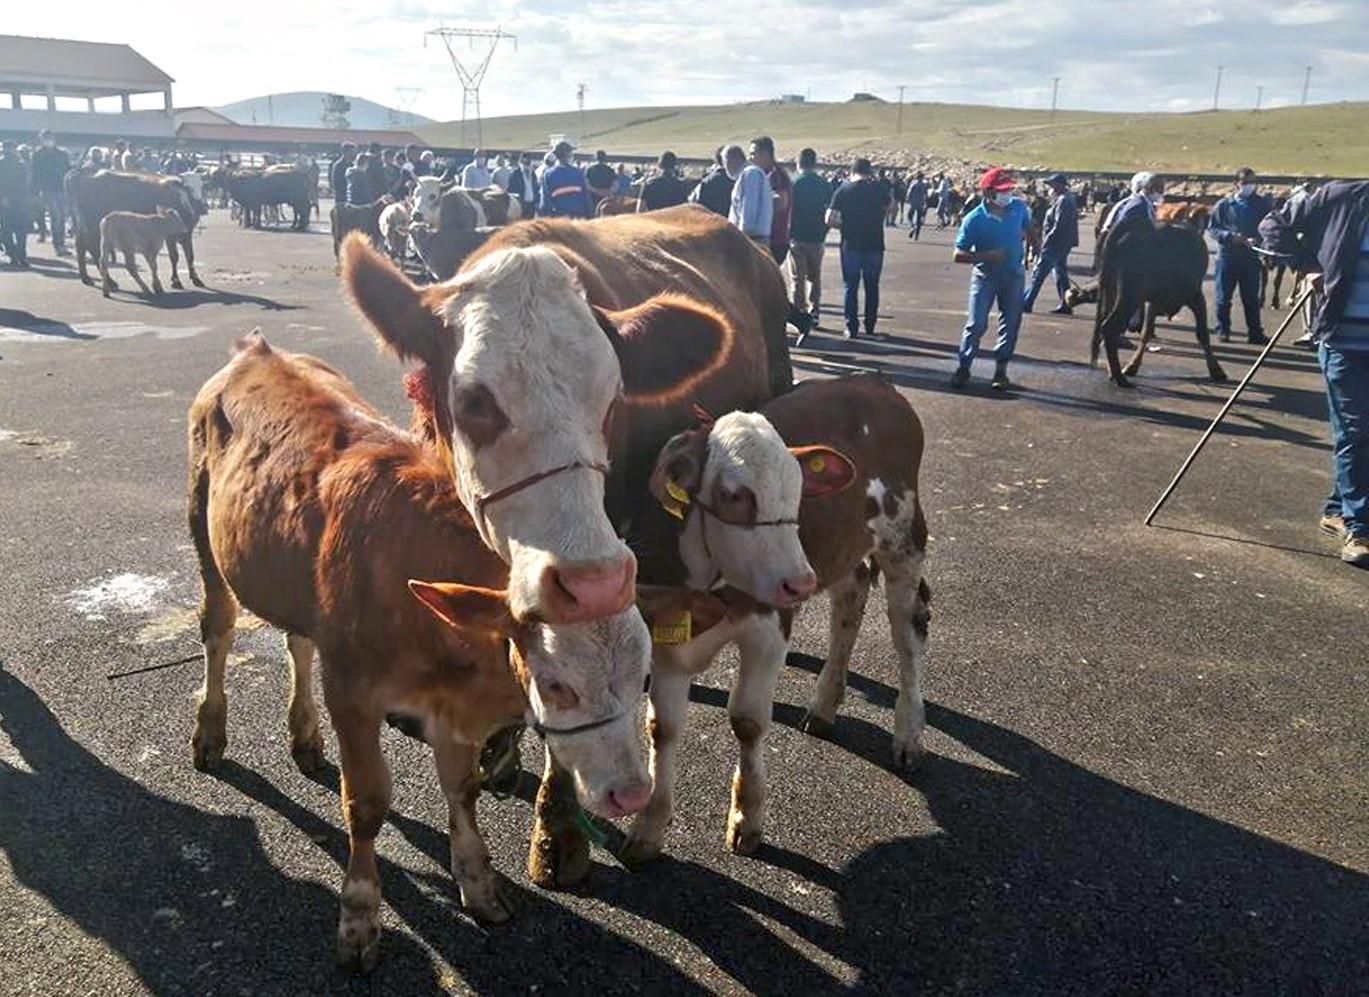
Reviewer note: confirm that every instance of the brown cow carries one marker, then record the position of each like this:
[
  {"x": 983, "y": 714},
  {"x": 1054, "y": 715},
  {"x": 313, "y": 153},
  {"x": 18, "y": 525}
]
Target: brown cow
[
  {"x": 616, "y": 205},
  {"x": 312, "y": 511},
  {"x": 734, "y": 545},
  {"x": 686, "y": 309}
]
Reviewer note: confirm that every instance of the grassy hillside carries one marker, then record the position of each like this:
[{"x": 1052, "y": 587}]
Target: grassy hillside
[{"x": 1321, "y": 139}]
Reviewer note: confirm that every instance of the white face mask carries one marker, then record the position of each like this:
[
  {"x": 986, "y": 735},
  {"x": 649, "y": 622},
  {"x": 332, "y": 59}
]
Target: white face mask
[
  {"x": 1156, "y": 196},
  {"x": 1247, "y": 189},
  {"x": 1002, "y": 198}
]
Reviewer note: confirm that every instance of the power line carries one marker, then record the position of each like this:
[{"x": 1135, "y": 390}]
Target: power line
[
  {"x": 1306, "y": 81},
  {"x": 472, "y": 71},
  {"x": 1259, "y": 97},
  {"x": 901, "y": 88},
  {"x": 1055, "y": 93},
  {"x": 1217, "y": 93},
  {"x": 580, "y": 89}
]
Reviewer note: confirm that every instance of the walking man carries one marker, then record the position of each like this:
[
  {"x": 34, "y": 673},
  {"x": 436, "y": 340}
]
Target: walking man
[
  {"x": 714, "y": 191},
  {"x": 665, "y": 189},
  {"x": 807, "y": 233},
  {"x": 1329, "y": 231},
  {"x": 991, "y": 238},
  {"x": 1235, "y": 224},
  {"x": 523, "y": 185},
  {"x": 753, "y": 209},
  {"x": 1060, "y": 234},
  {"x": 476, "y": 175},
  {"x": 50, "y": 166},
  {"x": 858, "y": 208},
  {"x": 943, "y": 201},
  {"x": 565, "y": 193},
  {"x": 16, "y": 220},
  {"x": 917, "y": 206},
  {"x": 600, "y": 178}
]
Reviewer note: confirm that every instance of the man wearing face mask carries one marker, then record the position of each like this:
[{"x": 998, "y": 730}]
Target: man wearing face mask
[
  {"x": 50, "y": 166},
  {"x": 1147, "y": 190},
  {"x": 991, "y": 238},
  {"x": 1235, "y": 225}
]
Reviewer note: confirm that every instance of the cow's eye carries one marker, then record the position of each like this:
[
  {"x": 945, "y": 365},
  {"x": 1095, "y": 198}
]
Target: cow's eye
[
  {"x": 737, "y": 505},
  {"x": 556, "y": 693},
  {"x": 477, "y": 414}
]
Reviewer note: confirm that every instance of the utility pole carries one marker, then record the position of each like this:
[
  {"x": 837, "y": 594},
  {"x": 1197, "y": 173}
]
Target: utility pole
[
  {"x": 472, "y": 71},
  {"x": 1217, "y": 93},
  {"x": 580, "y": 89},
  {"x": 901, "y": 88},
  {"x": 1055, "y": 94},
  {"x": 1306, "y": 81},
  {"x": 1259, "y": 97}
]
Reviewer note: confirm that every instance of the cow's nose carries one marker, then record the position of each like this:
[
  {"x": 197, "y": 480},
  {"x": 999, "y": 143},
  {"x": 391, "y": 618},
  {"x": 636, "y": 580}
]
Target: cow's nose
[
  {"x": 578, "y": 592},
  {"x": 623, "y": 800},
  {"x": 797, "y": 588}
]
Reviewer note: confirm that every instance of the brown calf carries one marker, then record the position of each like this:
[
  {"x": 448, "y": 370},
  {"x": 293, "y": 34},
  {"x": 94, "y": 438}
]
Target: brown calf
[{"x": 312, "y": 511}]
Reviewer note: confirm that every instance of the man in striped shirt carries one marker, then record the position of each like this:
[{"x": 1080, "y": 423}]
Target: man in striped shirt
[{"x": 1329, "y": 232}]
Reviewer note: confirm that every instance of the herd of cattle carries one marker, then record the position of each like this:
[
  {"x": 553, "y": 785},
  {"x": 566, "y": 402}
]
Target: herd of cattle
[{"x": 609, "y": 471}]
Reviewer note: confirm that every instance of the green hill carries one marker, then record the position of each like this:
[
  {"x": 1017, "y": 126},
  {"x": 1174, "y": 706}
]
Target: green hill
[{"x": 1330, "y": 139}]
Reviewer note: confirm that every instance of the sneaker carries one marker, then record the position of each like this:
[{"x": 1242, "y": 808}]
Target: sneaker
[
  {"x": 1332, "y": 525},
  {"x": 849, "y": 334},
  {"x": 1306, "y": 339},
  {"x": 1356, "y": 550},
  {"x": 1000, "y": 380},
  {"x": 961, "y": 377},
  {"x": 1062, "y": 310}
]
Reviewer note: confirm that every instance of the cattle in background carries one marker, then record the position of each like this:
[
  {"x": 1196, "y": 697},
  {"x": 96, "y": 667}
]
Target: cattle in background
[
  {"x": 395, "y": 222},
  {"x": 92, "y": 195},
  {"x": 742, "y": 551},
  {"x": 594, "y": 340},
  {"x": 462, "y": 207},
  {"x": 308, "y": 508},
  {"x": 1186, "y": 212},
  {"x": 1160, "y": 269},
  {"x": 364, "y": 218},
  {"x": 616, "y": 205},
  {"x": 126, "y": 234},
  {"x": 296, "y": 186},
  {"x": 443, "y": 253}
]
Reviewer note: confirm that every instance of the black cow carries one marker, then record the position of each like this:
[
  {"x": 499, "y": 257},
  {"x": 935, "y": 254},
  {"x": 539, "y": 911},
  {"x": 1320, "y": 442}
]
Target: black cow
[
  {"x": 1160, "y": 269},
  {"x": 92, "y": 195}
]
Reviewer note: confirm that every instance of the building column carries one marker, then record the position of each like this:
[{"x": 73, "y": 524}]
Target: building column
[
  {"x": 124, "y": 98},
  {"x": 52, "y": 98},
  {"x": 15, "y": 103},
  {"x": 166, "y": 99},
  {"x": 90, "y": 105}
]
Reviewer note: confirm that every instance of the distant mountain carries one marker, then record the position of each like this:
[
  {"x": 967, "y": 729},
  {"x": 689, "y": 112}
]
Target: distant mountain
[{"x": 305, "y": 109}]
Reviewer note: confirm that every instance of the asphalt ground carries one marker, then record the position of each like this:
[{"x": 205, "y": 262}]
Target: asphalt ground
[{"x": 1147, "y": 767}]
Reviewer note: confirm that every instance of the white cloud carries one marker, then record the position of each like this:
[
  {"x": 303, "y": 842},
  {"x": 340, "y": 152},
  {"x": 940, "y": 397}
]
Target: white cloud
[{"x": 1309, "y": 12}]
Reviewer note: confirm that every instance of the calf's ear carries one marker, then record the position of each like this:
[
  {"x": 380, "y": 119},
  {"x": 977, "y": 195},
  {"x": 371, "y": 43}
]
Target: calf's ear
[
  {"x": 467, "y": 607},
  {"x": 825, "y": 471},
  {"x": 679, "y": 470},
  {"x": 405, "y": 318},
  {"x": 666, "y": 346}
]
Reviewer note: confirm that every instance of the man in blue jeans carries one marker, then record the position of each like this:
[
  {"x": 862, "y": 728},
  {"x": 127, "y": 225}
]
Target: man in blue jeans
[
  {"x": 1235, "y": 224},
  {"x": 1059, "y": 235},
  {"x": 1329, "y": 231},
  {"x": 858, "y": 208},
  {"x": 991, "y": 238}
]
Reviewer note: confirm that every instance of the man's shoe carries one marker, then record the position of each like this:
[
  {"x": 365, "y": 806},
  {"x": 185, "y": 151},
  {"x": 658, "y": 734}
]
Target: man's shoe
[
  {"x": 63, "y": 251},
  {"x": 1000, "y": 380},
  {"x": 1257, "y": 339},
  {"x": 816, "y": 316},
  {"x": 1026, "y": 309},
  {"x": 1223, "y": 337},
  {"x": 1332, "y": 525},
  {"x": 1356, "y": 550},
  {"x": 848, "y": 334},
  {"x": 961, "y": 377},
  {"x": 1306, "y": 339},
  {"x": 1062, "y": 310}
]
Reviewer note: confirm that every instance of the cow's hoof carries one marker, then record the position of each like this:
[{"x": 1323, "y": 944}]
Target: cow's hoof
[
  {"x": 908, "y": 754},
  {"x": 176, "y": 284},
  {"x": 558, "y": 861},
  {"x": 1218, "y": 376},
  {"x": 818, "y": 727},
  {"x": 195, "y": 279},
  {"x": 489, "y": 909},
  {"x": 1121, "y": 381},
  {"x": 206, "y": 750},
  {"x": 358, "y": 939},
  {"x": 637, "y": 853},
  {"x": 742, "y": 838},
  {"x": 309, "y": 757}
]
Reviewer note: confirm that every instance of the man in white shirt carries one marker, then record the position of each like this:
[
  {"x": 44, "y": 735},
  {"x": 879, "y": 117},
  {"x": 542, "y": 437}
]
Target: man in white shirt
[
  {"x": 500, "y": 175},
  {"x": 753, "y": 209},
  {"x": 476, "y": 175}
]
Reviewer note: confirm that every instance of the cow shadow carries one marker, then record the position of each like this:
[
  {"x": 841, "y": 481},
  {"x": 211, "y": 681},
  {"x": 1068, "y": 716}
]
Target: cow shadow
[
  {"x": 193, "y": 904},
  {"x": 1048, "y": 878},
  {"x": 194, "y": 297},
  {"x": 38, "y": 326},
  {"x": 58, "y": 269}
]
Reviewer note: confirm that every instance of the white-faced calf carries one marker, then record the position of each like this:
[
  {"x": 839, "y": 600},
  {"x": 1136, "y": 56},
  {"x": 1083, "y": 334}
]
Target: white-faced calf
[
  {"x": 315, "y": 513},
  {"x": 817, "y": 492}
]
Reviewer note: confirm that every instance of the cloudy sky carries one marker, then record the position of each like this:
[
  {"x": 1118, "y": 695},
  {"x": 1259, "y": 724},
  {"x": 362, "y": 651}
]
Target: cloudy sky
[{"x": 1110, "y": 54}]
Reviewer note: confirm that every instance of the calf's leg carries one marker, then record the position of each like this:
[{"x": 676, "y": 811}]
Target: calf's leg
[
  {"x": 1198, "y": 305},
  {"x": 908, "y": 600},
  {"x": 666, "y": 718},
  {"x": 848, "y": 609},
  {"x": 132, "y": 267},
  {"x": 306, "y": 743},
  {"x": 471, "y": 867},
  {"x": 152, "y": 266},
  {"x": 762, "y": 646},
  {"x": 218, "y": 614},
  {"x": 365, "y": 801},
  {"x": 558, "y": 855},
  {"x": 1133, "y": 366}
]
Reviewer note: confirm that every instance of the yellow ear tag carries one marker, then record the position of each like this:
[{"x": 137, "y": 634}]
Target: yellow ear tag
[
  {"x": 817, "y": 464},
  {"x": 673, "y": 628},
  {"x": 674, "y": 509},
  {"x": 676, "y": 492}
]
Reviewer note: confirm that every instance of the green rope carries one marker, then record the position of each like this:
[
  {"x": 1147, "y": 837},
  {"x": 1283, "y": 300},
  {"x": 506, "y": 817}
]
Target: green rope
[{"x": 590, "y": 829}]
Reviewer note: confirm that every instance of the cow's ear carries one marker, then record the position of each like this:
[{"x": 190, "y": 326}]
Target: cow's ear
[
  {"x": 825, "y": 471},
  {"x": 679, "y": 471},
  {"x": 467, "y": 607},
  {"x": 666, "y": 346},
  {"x": 405, "y": 318}
]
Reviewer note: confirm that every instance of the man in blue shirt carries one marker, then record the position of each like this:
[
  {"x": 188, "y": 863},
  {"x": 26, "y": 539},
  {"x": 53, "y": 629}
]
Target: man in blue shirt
[
  {"x": 1329, "y": 232},
  {"x": 1060, "y": 234},
  {"x": 1235, "y": 225},
  {"x": 565, "y": 192},
  {"x": 991, "y": 238}
]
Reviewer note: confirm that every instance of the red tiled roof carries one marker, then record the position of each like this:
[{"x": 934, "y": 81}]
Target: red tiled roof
[
  {"x": 303, "y": 136},
  {"x": 97, "y": 64}
]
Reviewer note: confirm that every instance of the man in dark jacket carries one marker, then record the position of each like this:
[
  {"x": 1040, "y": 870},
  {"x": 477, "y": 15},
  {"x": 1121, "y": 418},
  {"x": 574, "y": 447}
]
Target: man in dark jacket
[
  {"x": 523, "y": 185},
  {"x": 715, "y": 189},
  {"x": 16, "y": 219},
  {"x": 665, "y": 189},
  {"x": 337, "y": 172},
  {"x": 1329, "y": 232},
  {"x": 361, "y": 185},
  {"x": 50, "y": 166},
  {"x": 1235, "y": 224},
  {"x": 1059, "y": 235}
]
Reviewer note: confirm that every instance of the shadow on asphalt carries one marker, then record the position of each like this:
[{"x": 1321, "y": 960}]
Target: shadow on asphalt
[
  {"x": 1046, "y": 878},
  {"x": 39, "y": 326},
  {"x": 192, "y": 297},
  {"x": 1331, "y": 555}
]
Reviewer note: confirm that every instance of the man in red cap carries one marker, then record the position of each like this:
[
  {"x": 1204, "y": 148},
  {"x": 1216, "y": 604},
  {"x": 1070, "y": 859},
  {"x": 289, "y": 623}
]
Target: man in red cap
[{"x": 991, "y": 238}]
